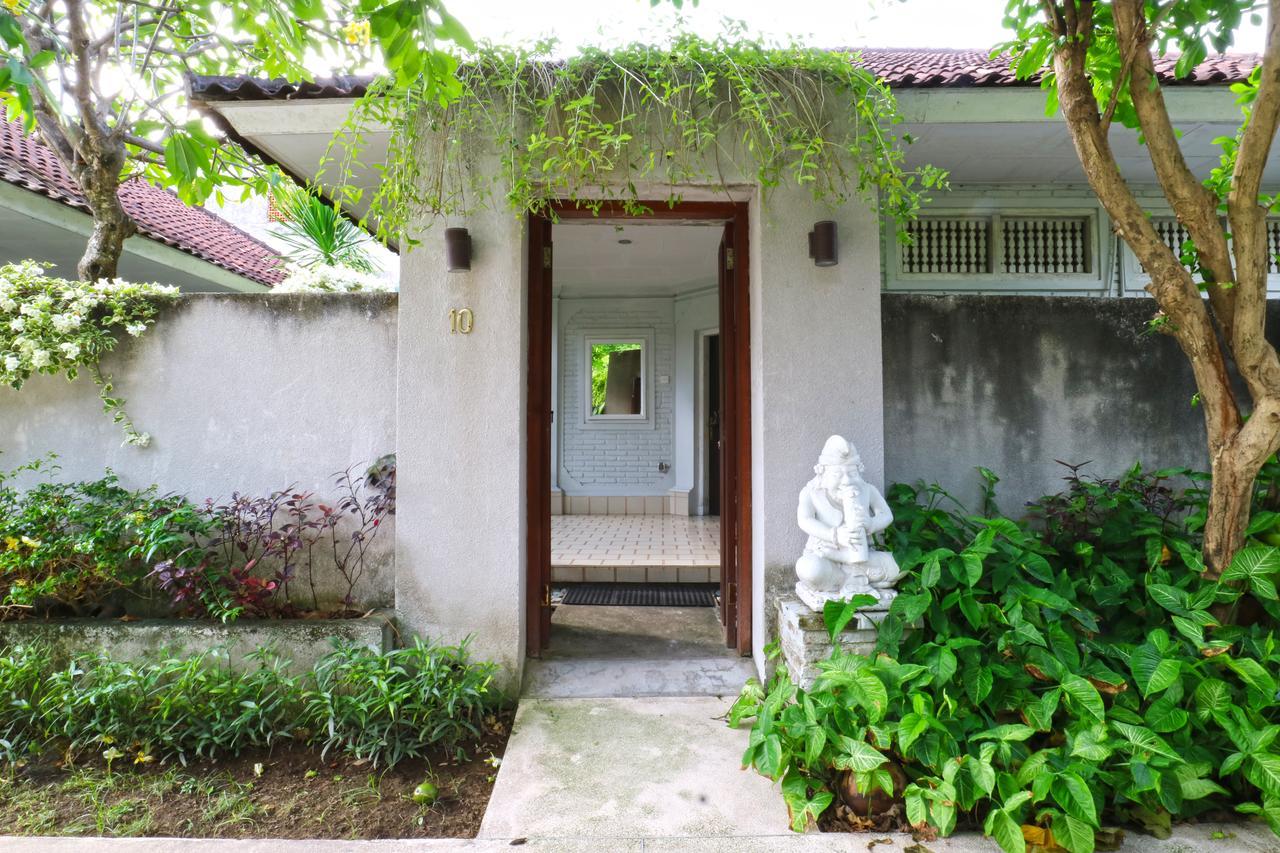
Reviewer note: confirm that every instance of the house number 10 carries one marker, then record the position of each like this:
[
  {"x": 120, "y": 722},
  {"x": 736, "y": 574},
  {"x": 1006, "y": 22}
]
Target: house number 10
[{"x": 461, "y": 321}]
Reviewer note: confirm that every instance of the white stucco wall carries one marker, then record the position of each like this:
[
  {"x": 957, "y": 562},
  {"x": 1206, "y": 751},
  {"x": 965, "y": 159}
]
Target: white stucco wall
[
  {"x": 462, "y": 458},
  {"x": 240, "y": 393},
  {"x": 815, "y": 371}
]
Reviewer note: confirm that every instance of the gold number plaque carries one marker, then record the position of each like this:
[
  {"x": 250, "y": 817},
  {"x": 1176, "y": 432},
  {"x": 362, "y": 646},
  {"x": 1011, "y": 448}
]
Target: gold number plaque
[{"x": 461, "y": 321}]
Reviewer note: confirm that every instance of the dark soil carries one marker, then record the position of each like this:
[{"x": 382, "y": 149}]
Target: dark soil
[{"x": 285, "y": 793}]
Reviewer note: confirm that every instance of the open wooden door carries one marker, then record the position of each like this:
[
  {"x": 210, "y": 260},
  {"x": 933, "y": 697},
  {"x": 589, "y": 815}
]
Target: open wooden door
[
  {"x": 735, "y": 436},
  {"x": 538, "y": 544},
  {"x": 735, "y": 412}
]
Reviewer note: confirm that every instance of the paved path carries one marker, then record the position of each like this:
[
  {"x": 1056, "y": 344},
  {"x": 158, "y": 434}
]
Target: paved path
[{"x": 628, "y": 768}]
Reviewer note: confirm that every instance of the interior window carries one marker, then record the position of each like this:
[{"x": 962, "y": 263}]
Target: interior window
[{"x": 617, "y": 378}]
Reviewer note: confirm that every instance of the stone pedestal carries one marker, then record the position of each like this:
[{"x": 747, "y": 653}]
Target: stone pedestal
[{"x": 805, "y": 641}]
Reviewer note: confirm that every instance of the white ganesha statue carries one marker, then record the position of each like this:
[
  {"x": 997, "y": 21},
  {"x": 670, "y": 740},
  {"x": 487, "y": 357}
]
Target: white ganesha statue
[{"x": 840, "y": 512}]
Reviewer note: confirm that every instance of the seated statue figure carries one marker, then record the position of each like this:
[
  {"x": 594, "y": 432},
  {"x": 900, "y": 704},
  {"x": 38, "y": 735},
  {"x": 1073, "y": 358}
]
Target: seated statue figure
[{"x": 841, "y": 512}]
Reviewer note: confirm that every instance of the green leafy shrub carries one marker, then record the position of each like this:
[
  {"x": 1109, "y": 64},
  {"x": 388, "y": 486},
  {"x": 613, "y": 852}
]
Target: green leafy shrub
[
  {"x": 363, "y": 703},
  {"x": 1064, "y": 671},
  {"x": 66, "y": 547},
  {"x": 387, "y": 707},
  {"x": 78, "y": 548}
]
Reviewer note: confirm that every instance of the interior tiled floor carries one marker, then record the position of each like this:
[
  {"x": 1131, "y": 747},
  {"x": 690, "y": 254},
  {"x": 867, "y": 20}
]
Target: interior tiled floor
[{"x": 635, "y": 548}]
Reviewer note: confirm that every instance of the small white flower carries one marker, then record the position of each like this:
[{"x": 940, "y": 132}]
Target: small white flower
[
  {"x": 136, "y": 329},
  {"x": 18, "y": 324},
  {"x": 66, "y": 322},
  {"x": 29, "y": 309},
  {"x": 40, "y": 358},
  {"x": 11, "y": 363},
  {"x": 8, "y": 304},
  {"x": 71, "y": 350}
]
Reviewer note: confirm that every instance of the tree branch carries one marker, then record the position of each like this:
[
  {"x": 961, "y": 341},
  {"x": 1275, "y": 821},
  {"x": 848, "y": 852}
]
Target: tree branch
[
  {"x": 1187, "y": 318},
  {"x": 143, "y": 143},
  {"x": 1255, "y": 357},
  {"x": 1194, "y": 204}
]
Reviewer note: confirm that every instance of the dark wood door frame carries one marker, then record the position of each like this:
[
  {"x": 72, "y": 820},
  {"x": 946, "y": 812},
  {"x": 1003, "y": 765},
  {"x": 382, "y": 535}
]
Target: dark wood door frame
[{"x": 735, "y": 410}]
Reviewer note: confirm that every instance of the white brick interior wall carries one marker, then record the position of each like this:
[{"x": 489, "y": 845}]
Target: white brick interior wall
[{"x": 616, "y": 459}]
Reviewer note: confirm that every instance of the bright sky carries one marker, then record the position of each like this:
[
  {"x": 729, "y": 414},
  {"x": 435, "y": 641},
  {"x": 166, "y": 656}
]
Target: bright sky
[{"x": 821, "y": 23}]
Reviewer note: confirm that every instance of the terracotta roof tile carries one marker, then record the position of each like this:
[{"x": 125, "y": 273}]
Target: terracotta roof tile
[
  {"x": 901, "y": 68},
  {"x": 905, "y": 68},
  {"x": 160, "y": 214}
]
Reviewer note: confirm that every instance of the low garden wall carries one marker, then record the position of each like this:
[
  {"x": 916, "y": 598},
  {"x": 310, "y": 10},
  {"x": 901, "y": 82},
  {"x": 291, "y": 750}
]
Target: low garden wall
[
  {"x": 240, "y": 393},
  {"x": 299, "y": 642},
  {"x": 1013, "y": 383}
]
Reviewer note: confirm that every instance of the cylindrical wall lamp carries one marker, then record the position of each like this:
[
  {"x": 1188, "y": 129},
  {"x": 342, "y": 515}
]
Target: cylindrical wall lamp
[
  {"x": 457, "y": 249},
  {"x": 824, "y": 248}
]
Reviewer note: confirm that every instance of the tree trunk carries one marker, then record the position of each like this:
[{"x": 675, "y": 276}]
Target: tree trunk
[
  {"x": 99, "y": 180},
  {"x": 102, "y": 254},
  {"x": 1235, "y": 470},
  {"x": 1230, "y": 498}
]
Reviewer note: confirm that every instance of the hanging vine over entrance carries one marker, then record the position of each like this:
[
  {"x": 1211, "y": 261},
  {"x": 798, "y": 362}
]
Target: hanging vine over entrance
[{"x": 596, "y": 126}]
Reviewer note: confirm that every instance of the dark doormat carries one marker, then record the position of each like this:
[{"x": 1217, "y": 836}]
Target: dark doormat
[{"x": 642, "y": 594}]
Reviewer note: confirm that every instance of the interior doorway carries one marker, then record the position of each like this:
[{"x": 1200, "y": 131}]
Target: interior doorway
[{"x": 638, "y": 399}]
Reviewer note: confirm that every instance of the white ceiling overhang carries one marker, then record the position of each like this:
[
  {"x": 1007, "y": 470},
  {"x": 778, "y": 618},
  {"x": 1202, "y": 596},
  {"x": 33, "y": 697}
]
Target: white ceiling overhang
[
  {"x": 299, "y": 136},
  {"x": 1002, "y": 136}
]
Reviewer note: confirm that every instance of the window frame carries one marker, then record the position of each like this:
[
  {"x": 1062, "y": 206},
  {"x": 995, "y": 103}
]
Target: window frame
[
  {"x": 646, "y": 391},
  {"x": 995, "y": 210}
]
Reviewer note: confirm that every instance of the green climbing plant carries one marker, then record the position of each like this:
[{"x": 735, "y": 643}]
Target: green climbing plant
[{"x": 527, "y": 129}]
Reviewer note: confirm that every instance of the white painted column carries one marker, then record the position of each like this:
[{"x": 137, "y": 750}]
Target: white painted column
[
  {"x": 815, "y": 371},
  {"x": 460, "y": 550}
]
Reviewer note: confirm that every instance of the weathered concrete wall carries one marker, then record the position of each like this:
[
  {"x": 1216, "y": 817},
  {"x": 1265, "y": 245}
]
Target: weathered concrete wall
[
  {"x": 1014, "y": 383},
  {"x": 301, "y": 642},
  {"x": 247, "y": 393}
]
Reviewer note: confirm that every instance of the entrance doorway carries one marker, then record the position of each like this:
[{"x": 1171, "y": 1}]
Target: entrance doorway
[{"x": 638, "y": 402}]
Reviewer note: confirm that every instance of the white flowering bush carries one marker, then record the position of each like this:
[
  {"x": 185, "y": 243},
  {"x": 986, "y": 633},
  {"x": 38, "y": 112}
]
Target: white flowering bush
[
  {"x": 55, "y": 326},
  {"x": 330, "y": 279}
]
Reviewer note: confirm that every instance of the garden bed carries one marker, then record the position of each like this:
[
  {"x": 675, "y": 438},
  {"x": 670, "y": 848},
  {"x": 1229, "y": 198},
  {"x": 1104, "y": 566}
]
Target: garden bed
[
  {"x": 285, "y": 793},
  {"x": 300, "y": 641}
]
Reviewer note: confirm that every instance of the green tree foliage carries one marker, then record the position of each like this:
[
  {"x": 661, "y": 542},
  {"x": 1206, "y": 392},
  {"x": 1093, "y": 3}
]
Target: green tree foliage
[
  {"x": 317, "y": 233},
  {"x": 1061, "y": 673},
  {"x": 103, "y": 83}
]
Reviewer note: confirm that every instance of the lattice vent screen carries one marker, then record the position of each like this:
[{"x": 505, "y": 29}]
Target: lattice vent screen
[
  {"x": 948, "y": 245},
  {"x": 1174, "y": 235},
  {"x": 973, "y": 245}
]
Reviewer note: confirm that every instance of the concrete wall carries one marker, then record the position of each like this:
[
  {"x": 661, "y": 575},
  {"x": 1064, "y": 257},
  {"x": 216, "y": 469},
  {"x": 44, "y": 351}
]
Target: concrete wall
[
  {"x": 815, "y": 356},
  {"x": 603, "y": 458},
  {"x": 1014, "y": 383},
  {"x": 247, "y": 393},
  {"x": 460, "y": 550}
]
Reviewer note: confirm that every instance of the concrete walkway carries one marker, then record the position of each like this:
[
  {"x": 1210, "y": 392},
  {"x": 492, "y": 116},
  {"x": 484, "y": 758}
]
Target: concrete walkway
[
  {"x": 634, "y": 652},
  {"x": 629, "y": 768}
]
